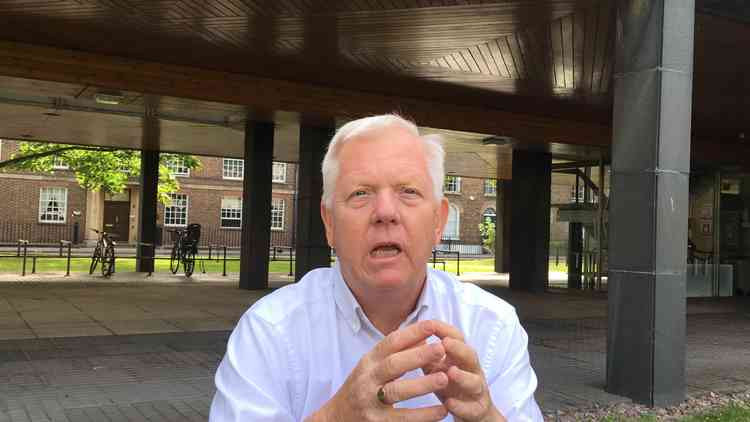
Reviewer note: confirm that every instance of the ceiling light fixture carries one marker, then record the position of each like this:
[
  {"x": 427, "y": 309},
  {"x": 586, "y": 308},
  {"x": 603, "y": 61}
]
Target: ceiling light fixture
[
  {"x": 109, "y": 98},
  {"x": 498, "y": 140}
]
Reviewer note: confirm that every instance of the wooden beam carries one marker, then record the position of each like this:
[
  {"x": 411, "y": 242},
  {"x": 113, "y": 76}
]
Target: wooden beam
[{"x": 268, "y": 95}]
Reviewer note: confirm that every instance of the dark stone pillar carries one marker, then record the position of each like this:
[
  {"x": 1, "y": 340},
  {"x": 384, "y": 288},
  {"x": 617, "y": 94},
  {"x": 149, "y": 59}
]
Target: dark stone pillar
[
  {"x": 312, "y": 249},
  {"x": 150, "y": 138},
  {"x": 147, "y": 209},
  {"x": 531, "y": 195},
  {"x": 575, "y": 255},
  {"x": 502, "y": 226},
  {"x": 256, "y": 205},
  {"x": 649, "y": 200}
]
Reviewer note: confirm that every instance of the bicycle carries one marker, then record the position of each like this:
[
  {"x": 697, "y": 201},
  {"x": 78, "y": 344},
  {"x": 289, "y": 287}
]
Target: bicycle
[
  {"x": 184, "y": 249},
  {"x": 104, "y": 252}
]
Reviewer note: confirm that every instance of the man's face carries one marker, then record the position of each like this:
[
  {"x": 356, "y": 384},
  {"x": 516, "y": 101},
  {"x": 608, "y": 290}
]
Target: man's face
[{"x": 384, "y": 219}]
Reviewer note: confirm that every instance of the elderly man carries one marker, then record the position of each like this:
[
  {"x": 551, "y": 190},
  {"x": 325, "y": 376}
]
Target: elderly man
[{"x": 380, "y": 336}]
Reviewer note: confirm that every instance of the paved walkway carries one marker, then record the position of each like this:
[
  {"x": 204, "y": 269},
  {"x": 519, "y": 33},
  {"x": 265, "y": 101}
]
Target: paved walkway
[{"x": 147, "y": 351}]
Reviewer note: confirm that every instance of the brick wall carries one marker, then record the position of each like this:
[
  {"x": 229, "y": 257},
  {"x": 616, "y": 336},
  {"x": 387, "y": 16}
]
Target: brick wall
[{"x": 19, "y": 210}]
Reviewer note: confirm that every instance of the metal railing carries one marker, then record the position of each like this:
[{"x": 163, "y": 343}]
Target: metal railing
[
  {"x": 11, "y": 231},
  {"x": 64, "y": 249}
]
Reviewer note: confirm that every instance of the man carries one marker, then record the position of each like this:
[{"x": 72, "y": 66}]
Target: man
[{"x": 380, "y": 336}]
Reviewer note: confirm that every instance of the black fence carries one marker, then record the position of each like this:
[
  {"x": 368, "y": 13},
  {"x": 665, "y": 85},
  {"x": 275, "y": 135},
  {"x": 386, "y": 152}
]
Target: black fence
[
  {"x": 11, "y": 231},
  {"x": 232, "y": 238}
]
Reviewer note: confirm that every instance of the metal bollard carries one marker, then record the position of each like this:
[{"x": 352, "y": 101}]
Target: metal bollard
[
  {"x": 23, "y": 270},
  {"x": 210, "y": 247},
  {"x": 67, "y": 271},
  {"x": 458, "y": 263},
  {"x": 273, "y": 248},
  {"x": 291, "y": 261},
  {"x": 33, "y": 264},
  {"x": 225, "y": 262}
]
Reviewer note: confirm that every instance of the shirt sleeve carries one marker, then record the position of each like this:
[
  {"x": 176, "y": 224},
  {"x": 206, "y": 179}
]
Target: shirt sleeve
[
  {"x": 513, "y": 383},
  {"x": 253, "y": 380}
]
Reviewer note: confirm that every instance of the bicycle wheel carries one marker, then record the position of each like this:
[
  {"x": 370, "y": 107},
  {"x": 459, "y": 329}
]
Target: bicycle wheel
[
  {"x": 189, "y": 262},
  {"x": 174, "y": 259},
  {"x": 108, "y": 261},
  {"x": 95, "y": 258}
]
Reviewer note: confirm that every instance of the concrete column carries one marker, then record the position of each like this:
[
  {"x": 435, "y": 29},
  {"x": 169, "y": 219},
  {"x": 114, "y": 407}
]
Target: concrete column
[
  {"x": 147, "y": 210},
  {"x": 649, "y": 200},
  {"x": 502, "y": 226},
  {"x": 312, "y": 249},
  {"x": 94, "y": 215},
  {"x": 530, "y": 204},
  {"x": 256, "y": 205},
  {"x": 575, "y": 256},
  {"x": 134, "y": 207}
]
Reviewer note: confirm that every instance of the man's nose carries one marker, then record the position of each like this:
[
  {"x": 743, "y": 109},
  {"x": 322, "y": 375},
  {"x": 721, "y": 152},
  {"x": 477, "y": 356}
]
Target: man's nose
[{"x": 386, "y": 208}]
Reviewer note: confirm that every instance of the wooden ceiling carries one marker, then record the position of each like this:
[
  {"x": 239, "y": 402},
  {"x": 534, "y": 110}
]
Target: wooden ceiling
[
  {"x": 525, "y": 47},
  {"x": 547, "y": 59}
]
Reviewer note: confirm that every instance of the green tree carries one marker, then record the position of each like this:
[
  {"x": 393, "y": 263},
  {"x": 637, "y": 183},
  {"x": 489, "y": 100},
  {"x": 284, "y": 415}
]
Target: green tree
[
  {"x": 487, "y": 230},
  {"x": 98, "y": 168}
]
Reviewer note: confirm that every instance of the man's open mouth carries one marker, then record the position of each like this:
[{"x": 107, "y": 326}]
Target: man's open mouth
[{"x": 385, "y": 250}]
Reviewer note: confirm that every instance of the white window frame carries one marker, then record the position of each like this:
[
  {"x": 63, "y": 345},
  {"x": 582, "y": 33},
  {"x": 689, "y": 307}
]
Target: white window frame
[
  {"x": 230, "y": 213},
  {"x": 278, "y": 168},
  {"x": 177, "y": 167},
  {"x": 275, "y": 210},
  {"x": 167, "y": 210},
  {"x": 490, "y": 192},
  {"x": 457, "y": 235},
  {"x": 62, "y": 205},
  {"x": 236, "y": 163},
  {"x": 457, "y": 185},
  {"x": 58, "y": 164}
]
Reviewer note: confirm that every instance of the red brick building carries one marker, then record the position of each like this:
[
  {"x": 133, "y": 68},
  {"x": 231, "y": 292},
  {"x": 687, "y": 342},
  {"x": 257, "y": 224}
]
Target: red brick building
[{"x": 50, "y": 207}]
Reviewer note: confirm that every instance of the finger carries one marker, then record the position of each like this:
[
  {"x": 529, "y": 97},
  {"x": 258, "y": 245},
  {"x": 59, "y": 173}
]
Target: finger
[
  {"x": 421, "y": 414},
  {"x": 464, "y": 409},
  {"x": 443, "y": 330},
  {"x": 397, "y": 364},
  {"x": 468, "y": 383},
  {"x": 404, "y": 338},
  {"x": 462, "y": 355},
  {"x": 400, "y": 390}
]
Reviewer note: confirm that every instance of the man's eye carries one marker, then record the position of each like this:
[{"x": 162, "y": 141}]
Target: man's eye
[
  {"x": 410, "y": 191},
  {"x": 359, "y": 193}
]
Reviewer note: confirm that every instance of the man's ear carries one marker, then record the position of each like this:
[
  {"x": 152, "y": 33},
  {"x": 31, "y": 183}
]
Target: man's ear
[
  {"x": 442, "y": 218},
  {"x": 327, "y": 216}
]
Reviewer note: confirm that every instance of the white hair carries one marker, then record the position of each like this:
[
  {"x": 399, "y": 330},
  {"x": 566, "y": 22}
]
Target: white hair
[{"x": 433, "y": 146}]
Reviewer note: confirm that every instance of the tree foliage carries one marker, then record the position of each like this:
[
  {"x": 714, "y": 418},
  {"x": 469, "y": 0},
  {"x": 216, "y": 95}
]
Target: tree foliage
[
  {"x": 98, "y": 169},
  {"x": 487, "y": 230}
]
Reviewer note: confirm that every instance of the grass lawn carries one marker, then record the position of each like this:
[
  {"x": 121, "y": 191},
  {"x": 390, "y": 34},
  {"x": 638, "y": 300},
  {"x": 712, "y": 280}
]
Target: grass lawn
[
  {"x": 78, "y": 265},
  {"x": 731, "y": 413}
]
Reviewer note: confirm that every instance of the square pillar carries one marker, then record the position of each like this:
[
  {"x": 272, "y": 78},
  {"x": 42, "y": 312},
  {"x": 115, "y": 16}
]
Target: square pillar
[
  {"x": 503, "y": 212},
  {"x": 575, "y": 256},
  {"x": 256, "y": 205},
  {"x": 147, "y": 211},
  {"x": 530, "y": 214},
  {"x": 649, "y": 200},
  {"x": 312, "y": 250}
]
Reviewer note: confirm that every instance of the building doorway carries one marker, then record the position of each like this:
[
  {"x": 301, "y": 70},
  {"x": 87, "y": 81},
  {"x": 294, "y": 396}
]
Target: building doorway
[{"x": 117, "y": 215}]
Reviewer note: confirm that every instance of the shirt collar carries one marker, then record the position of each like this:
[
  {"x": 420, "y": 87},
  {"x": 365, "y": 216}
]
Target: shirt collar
[{"x": 354, "y": 315}]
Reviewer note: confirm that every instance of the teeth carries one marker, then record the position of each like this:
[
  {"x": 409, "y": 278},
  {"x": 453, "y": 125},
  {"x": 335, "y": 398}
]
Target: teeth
[{"x": 386, "y": 251}]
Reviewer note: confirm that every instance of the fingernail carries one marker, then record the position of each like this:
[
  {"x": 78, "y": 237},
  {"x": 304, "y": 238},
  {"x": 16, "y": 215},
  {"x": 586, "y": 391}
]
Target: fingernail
[
  {"x": 441, "y": 379},
  {"x": 437, "y": 348}
]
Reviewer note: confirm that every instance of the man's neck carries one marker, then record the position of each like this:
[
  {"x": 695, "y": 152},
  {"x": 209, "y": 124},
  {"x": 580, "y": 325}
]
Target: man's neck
[{"x": 388, "y": 309}]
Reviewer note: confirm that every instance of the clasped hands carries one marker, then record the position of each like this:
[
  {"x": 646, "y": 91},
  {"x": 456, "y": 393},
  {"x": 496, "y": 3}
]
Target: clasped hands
[{"x": 451, "y": 370}]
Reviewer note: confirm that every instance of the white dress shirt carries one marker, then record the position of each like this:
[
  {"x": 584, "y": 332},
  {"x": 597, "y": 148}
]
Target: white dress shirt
[{"x": 294, "y": 348}]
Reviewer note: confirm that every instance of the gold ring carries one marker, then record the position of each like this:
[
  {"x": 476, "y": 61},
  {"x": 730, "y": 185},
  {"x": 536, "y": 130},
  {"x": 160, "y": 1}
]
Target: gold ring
[{"x": 381, "y": 396}]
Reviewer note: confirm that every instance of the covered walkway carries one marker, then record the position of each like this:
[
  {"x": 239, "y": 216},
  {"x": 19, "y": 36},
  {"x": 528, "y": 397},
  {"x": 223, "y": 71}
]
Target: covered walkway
[{"x": 137, "y": 351}]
